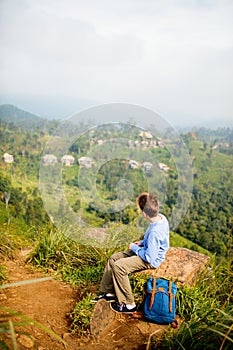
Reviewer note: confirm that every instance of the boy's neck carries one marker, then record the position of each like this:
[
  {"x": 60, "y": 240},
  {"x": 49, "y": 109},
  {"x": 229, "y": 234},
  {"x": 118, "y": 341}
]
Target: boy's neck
[{"x": 155, "y": 218}]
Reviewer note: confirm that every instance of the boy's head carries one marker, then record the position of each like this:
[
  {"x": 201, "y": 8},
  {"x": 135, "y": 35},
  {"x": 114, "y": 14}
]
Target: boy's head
[{"x": 148, "y": 203}]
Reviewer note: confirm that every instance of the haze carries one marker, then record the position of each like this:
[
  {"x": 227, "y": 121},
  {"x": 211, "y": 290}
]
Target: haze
[{"x": 172, "y": 56}]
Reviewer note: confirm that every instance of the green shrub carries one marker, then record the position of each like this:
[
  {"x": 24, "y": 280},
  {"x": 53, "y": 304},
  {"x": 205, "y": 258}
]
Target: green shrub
[
  {"x": 138, "y": 285},
  {"x": 81, "y": 315},
  {"x": 52, "y": 249}
]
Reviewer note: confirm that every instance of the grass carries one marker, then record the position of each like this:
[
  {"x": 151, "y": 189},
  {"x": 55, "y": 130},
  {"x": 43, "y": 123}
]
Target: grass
[
  {"x": 9, "y": 243},
  {"x": 177, "y": 240},
  {"x": 77, "y": 264},
  {"x": 11, "y": 240},
  {"x": 81, "y": 315},
  {"x": 3, "y": 274}
]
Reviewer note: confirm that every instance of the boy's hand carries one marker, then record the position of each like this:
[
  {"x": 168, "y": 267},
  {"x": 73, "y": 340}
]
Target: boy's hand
[{"x": 131, "y": 244}]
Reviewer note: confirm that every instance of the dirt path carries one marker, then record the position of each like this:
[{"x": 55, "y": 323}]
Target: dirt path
[{"x": 48, "y": 302}]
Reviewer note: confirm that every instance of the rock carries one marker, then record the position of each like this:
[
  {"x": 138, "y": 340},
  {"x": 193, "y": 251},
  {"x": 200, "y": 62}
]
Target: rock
[
  {"x": 182, "y": 265},
  {"x": 3, "y": 296},
  {"x": 102, "y": 316},
  {"x": 26, "y": 341}
]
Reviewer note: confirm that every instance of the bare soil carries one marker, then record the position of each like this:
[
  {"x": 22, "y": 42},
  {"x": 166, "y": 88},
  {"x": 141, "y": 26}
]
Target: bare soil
[{"x": 48, "y": 302}]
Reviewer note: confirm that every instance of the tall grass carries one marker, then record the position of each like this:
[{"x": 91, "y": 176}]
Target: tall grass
[
  {"x": 11, "y": 240},
  {"x": 9, "y": 243},
  {"x": 78, "y": 263}
]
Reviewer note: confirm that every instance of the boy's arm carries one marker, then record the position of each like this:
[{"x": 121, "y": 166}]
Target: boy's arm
[
  {"x": 136, "y": 244},
  {"x": 150, "y": 253},
  {"x": 139, "y": 243}
]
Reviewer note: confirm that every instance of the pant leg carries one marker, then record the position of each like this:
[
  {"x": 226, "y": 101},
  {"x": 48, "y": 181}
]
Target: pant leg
[
  {"x": 121, "y": 269},
  {"x": 106, "y": 284}
]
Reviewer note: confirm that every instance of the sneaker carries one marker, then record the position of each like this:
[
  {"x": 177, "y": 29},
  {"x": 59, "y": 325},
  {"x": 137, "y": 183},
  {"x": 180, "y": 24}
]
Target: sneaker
[
  {"x": 122, "y": 308},
  {"x": 108, "y": 298}
]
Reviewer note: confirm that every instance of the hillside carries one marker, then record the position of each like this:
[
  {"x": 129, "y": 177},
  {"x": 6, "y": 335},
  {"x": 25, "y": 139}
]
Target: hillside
[
  {"x": 20, "y": 118},
  {"x": 208, "y": 221}
]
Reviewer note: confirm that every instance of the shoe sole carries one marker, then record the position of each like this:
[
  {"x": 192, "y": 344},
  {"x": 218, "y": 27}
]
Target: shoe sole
[
  {"x": 108, "y": 301},
  {"x": 122, "y": 312}
]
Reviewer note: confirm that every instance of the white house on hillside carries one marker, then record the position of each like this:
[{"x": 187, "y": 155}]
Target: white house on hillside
[
  {"x": 85, "y": 162},
  {"x": 49, "y": 159},
  {"x": 146, "y": 134},
  {"x": 67, "y": 160},
  {"x": 147, "y": 166},
  {"x": 133, "y": 164},
  {"x": 164, "y": 167},
  {"x": 8, "y": 158}
]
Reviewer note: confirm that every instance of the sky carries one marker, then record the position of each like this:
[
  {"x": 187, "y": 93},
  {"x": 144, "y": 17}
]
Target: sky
[{"x": 174, "y": 57}]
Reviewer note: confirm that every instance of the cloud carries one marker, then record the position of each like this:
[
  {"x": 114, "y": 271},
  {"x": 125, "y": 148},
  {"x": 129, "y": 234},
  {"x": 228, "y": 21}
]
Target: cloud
[
  {"x": 175, "y": 56},
  {"x": 46, "y": 37}
]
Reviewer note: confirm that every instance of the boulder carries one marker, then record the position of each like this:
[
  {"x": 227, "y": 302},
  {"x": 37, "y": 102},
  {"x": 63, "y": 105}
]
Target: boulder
[
  {"x": 101, "y": 318},
  {"x": 182, "y": 265}
]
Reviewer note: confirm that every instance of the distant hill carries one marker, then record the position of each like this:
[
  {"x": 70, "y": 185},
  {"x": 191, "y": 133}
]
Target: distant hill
[
  {"x": 206, "y": 124},
  {"x": 12, "y": 114}
]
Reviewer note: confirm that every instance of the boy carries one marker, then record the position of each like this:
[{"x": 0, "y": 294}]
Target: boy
[{"x": 146, "y": 254}]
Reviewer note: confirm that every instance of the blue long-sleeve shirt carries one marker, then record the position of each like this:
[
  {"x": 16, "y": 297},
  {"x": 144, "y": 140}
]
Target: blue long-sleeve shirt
[{"x": 155, "y": 244}]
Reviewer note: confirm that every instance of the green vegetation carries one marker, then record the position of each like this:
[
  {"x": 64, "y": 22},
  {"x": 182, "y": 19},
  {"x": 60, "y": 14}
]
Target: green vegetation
[
  {"x": 79, "y": 265},
  {"x": 208, "y": 222},
  {"x": 81, "y": 315}
]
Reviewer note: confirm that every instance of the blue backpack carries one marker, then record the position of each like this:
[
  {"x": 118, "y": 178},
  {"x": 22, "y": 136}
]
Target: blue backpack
[{"x": 160, "y": 301}]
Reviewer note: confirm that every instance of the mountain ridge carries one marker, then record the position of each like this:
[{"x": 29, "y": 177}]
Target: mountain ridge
[
  {"x": 12, "y": 111},
  {"x": 20, "y": 118}
]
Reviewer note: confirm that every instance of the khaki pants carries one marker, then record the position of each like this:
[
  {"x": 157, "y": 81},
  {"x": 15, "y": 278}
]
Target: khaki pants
[{"x": 115, "y": 278}]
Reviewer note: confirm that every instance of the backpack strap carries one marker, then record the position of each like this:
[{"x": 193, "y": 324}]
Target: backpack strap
[
  {"x": 153, "y": 293},
  {"x": 170, "y": 295},
  {"x": 138, "y": 314}
]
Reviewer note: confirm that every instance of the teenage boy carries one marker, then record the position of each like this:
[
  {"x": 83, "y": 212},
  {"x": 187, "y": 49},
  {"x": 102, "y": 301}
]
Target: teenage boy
[{"x": 146, "y": 254}]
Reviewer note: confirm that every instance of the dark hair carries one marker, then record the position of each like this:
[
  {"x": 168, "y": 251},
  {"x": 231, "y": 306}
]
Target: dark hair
[{"x": 148, "y": 203}]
